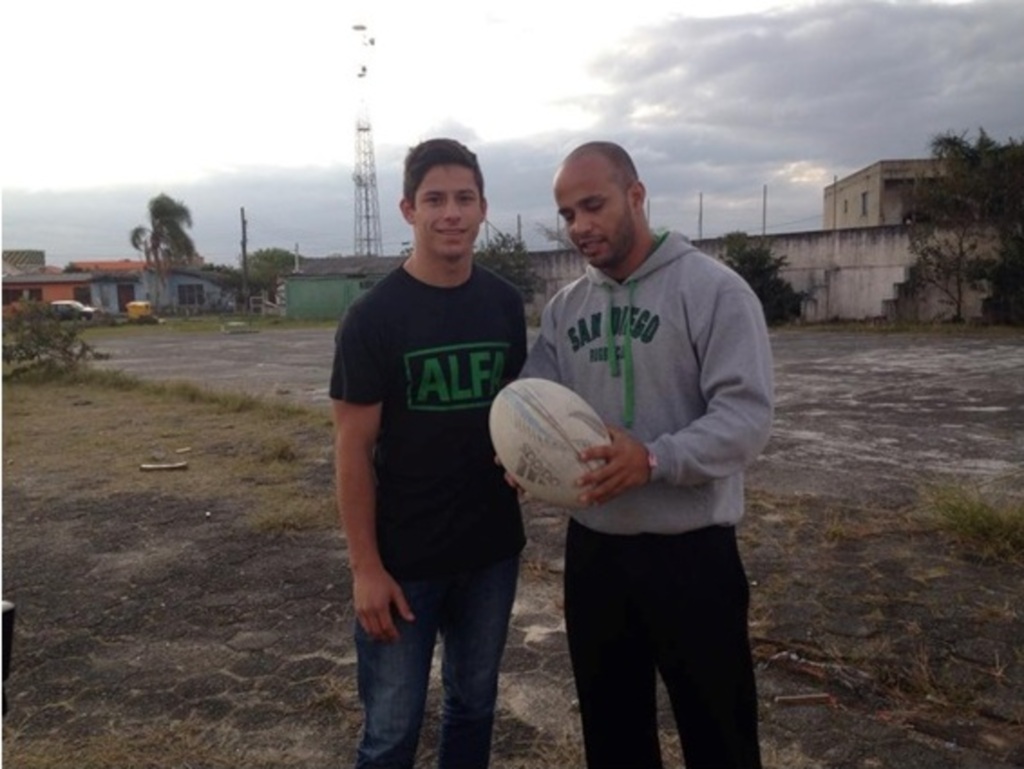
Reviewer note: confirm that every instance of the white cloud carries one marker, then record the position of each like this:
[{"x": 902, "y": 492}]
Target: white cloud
[{"x": 226, "y": 106}]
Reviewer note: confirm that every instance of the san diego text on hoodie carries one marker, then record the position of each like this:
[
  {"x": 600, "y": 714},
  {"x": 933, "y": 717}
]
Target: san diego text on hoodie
[{"x": 678, "y": 355}]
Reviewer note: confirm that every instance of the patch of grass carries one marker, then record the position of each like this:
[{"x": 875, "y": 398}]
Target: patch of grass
[
  {"x": 317, "y": 512},
  {"x": 910, "y": 676},
  {"x": 834, "y": 529},
  {"x": 919, "y": 676},
  {"x": 790, "y": 756},
  {"x": 164, "y": 746},
  {"x": 988, "y": 524},
  {"x": 86, "y": 434},
  {"x": 1003, "y": 611},
  {"x": 562, "y": 749},
  {"x": 183, "y": 391},
  {"x": 278, "y": 449},
  {"x": 339, "y": 698}
]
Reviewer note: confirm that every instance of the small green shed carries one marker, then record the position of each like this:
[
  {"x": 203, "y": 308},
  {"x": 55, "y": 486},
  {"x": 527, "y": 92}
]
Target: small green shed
[{"x": 325, "y": 288}]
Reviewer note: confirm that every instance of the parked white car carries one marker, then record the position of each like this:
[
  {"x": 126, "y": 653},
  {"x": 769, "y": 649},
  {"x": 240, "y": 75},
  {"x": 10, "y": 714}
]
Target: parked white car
[{"x": 70, "y": 309}]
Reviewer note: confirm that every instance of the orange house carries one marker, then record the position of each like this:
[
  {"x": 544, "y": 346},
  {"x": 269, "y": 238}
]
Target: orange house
[
  {"x": 46, "y": 287},
  {"x": 110, "y": 285}
]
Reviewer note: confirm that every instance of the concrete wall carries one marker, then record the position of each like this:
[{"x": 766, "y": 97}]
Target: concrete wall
[
  {"x": 554, "y": 270},
  {"x": 846, "y": 274},
  {"x": 852, "y": 274}
]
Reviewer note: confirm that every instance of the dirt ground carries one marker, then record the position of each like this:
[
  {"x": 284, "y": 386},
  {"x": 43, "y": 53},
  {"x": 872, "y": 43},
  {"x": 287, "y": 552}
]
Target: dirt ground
[{"x": 158, "y": 626}]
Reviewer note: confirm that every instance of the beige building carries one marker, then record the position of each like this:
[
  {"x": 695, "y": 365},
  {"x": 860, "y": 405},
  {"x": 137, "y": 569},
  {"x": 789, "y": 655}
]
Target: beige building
[{"x": 876, "y": 196}]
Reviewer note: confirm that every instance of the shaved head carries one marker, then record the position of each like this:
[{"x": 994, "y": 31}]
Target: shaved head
[
  {"x": 623, "y": 170},
  {"x": 601, "y": 201}
]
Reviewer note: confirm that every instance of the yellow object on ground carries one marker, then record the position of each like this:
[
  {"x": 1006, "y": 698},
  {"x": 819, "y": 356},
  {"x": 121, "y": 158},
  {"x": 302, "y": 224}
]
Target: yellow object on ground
[{"x": 139, "y": 309}]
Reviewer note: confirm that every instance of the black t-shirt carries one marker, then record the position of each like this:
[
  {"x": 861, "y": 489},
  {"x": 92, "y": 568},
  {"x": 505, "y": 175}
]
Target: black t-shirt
[{"x": 434, "y": 358}]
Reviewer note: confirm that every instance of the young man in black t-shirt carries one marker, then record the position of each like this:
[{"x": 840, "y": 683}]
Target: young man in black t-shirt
[{"x": 434, "y": 532}]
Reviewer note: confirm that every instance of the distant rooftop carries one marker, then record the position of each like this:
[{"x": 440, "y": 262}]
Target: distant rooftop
[
  {"x": 349, "y": 265},
  {"x": 109, "y": 265},
  {"x": 37, "y": 277},
  {"x": 23, "y": 260}
]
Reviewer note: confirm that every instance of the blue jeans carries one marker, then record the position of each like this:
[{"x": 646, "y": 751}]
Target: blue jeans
[{"x": 471, "y": 612}]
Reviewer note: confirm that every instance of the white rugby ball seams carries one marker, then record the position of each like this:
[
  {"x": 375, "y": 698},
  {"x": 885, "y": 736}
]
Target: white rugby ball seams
[{"x": 538, "y": 427}]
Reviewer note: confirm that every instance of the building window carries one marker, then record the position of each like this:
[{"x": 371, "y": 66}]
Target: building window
[
  {"x": 12, "y": 295},
  {"x": 191, "y": 295},
  {"x": 846, "y": 206},
  {"x": 863, "y": 204}
]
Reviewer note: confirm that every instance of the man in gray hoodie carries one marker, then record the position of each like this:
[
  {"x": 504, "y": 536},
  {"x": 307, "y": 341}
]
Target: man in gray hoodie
[{"x": 670, "y": 347}]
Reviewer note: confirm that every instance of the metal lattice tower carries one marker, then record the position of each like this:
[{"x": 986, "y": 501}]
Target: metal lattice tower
[{"x": 367, "y": 207}]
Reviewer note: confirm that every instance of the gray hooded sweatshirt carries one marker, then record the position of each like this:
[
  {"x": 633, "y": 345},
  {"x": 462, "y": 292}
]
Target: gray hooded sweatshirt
[{"x": 677, "y": 355}]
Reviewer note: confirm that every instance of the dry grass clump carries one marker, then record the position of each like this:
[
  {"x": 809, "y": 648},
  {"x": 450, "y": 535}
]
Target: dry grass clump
[
  {"x": 182, "y": 745},
  {"x": 987, "y": 523}
]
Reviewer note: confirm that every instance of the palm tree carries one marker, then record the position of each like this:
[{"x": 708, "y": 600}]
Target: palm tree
[{"x": 165, "y": 243}]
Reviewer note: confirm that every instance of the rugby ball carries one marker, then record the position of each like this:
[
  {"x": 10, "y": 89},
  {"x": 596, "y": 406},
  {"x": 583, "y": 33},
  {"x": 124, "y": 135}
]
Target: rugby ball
[{"x": 538, "y": 427}]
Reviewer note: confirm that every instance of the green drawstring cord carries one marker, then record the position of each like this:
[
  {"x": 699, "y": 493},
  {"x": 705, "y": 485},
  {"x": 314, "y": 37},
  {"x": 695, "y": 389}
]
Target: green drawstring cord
[
  {"x": 628, "y": 420},
  {"x": 627, "y": 328},
  {"x": 609, "y": 334},
  {"x": 613, "y": 358}
]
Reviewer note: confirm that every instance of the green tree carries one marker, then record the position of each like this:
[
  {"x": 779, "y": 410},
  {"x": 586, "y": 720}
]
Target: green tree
[
  {"x": 556, "y": 235},
  {"x": 755, "y": 263},
  {"x": 951, "y": 257},
  {"x": 507, "y": 256},
  {"x": 267, "y": 266},
  {"x": 1006, "y": 276},
  {"x": 165, "y": 243},
  {"x": 227, "y": 277},
  {"x": 969, "y": 223},
  {"x": 1004, "y": 176},
  {"x": 35, "y": 339}
]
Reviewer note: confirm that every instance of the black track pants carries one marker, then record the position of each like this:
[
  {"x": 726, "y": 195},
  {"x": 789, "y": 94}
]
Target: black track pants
[{"x": 676, "y": 605}]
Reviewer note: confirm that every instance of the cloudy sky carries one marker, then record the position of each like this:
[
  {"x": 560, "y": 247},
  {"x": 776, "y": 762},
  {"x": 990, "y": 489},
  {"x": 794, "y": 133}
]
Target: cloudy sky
[{"x": 737, "y": 112}]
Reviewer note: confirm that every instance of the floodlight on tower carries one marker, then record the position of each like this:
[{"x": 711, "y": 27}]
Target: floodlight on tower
[{"x": 367, "y": 207}]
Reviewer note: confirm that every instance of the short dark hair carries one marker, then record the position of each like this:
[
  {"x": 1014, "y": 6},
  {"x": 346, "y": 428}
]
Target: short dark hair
[
  {"x": 621, "y": 162},
  {"x": 437, "y": 152}
]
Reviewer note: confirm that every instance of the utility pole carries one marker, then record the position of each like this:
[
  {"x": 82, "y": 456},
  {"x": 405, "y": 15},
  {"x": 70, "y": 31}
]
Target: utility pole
[
  {"x": 245, "y": 262},
  {"x": 700, "y": 217},
  {"x": 764, "y": 212},
  {"x": 367, "y": 207}
]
